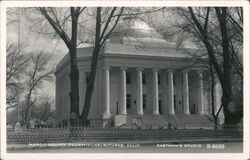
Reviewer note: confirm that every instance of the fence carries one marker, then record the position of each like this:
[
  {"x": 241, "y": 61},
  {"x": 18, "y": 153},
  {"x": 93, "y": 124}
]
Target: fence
[{"x": 97, "y": 133}]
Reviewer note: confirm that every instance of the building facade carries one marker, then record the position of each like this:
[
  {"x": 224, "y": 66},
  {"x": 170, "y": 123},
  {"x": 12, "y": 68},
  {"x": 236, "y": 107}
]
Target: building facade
[{"x": 140, "y": 76}]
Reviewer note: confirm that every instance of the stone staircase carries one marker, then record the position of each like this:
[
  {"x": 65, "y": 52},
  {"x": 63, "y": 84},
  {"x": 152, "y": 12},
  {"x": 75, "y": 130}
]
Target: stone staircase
[
  {"x": 191, "y": 121},
  {"x": 178, "y": 121}
]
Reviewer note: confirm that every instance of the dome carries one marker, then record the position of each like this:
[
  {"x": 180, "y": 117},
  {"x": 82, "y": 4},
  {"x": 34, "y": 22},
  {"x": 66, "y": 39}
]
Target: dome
[{"x": 135, "y": 28}]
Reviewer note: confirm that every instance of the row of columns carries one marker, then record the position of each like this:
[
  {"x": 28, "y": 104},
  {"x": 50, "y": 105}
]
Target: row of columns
[{"x": 139, "y": 96}]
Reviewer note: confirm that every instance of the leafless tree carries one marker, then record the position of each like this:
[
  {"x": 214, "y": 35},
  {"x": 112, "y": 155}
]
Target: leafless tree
[
  {"x": 70, "y": 24},
  {"x": 103, "y": 29},
  {"x": 224, "y": 72},
  {"x": 44, "y": 108},
  {"x": 218, "y": 31},
  {"x": 70, "y": 40},
  {"x": 37, "y": 73},
  {"x": 106, "y": 22},
  {"x": 16, "y": 63}
]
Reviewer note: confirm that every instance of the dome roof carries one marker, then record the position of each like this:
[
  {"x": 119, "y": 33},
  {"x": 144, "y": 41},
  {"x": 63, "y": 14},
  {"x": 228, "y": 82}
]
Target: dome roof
[
  {"x": 136, "y": 28},
  {"x": 135, "y": 23}
]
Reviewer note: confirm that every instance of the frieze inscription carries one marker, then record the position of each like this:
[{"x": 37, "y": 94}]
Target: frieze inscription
[{"x": 138, "y": 47}]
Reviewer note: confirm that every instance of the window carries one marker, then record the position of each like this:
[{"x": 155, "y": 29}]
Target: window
[
  {"x": 174, "y": 101},
  {"x": 192, "y": 111},
  {"x": 160, "y": 107},
  {"x": 87, "y": 77},
  {"x": 182, "y": 79},
  {"x": 128, "y": 99},
  {"x": 128, "y": 78},
  {"x": 160, "y": 104},
  {"x": 159, "y": 79},
  {"x": 144, "y": 101},
  {"x": 143, "y": 78}
]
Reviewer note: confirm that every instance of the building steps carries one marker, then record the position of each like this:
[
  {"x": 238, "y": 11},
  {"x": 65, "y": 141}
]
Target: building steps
[{"x": 177, "y": 121}]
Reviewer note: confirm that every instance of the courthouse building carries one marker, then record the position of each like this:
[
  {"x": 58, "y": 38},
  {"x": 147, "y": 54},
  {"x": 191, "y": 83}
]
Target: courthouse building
[{"x": 140, "y": 76}]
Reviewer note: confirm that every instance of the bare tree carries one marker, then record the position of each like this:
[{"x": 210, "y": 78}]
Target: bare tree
[
  {"x": 16, "y": 63},
  {"x": 218, "y": 31},
  {"x": 224, "y": 73},
  {"x": 44, "y": 108},
  {"x": 59, "y": 26},
  {"x": 104, "y": 28},
  {"x": 37, "y": 73},
  {"x": 235, "y": 25},
  {"x": 106, "y": 20},
  {"x": 213, "y": 82}
]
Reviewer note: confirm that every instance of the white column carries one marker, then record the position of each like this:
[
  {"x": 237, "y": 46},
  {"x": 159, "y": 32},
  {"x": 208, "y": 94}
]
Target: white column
[
  {"x": 200, "y": 93},
  {"x": 123, "y": 109},
  {"x": 217, "y": 100},
  {"x": 171, "y": 92},
  {"x": 155, "y": 92},
  {"x": 139, "y": 92},
  {"x": 165, "y": 93},
  {"x": 217, "y": 95},
  {"x": 185, "y": 92},
  {"x": 106, "y": 92}
]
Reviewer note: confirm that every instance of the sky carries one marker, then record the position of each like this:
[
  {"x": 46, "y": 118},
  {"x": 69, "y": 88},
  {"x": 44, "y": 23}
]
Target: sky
[{"x": 34, "y": 41}]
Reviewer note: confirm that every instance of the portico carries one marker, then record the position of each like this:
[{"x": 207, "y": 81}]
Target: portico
[{"x": 138, "y": 100}]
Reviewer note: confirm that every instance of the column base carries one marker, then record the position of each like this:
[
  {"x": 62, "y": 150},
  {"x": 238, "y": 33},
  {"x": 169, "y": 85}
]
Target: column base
[
  {"x": 171, "y": 109},
  {"x": 187, "y": 113},
  {"x": 106, "y": 116},
  {"x": 201, "y": 112},
  {"x": 123, "y": 113},
  {"x": 140, "y": 113},
  {"x": 172, "y": 113},
  {"x": 156, "y": 113}
]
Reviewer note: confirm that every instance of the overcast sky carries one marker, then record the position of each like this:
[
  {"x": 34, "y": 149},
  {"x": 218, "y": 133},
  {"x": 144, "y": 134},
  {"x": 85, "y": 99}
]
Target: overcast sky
[{"x": 37, "y": 42}]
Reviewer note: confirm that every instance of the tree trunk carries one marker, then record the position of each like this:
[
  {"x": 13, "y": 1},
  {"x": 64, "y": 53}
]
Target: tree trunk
[
  {"x": 74, "y": 93},
  {"x": 91, "y": 82},
  {"x": 90, "y": 86},
  {"x": 74, "y": 74},
  {"x": 223, "y": 75},
  {"x": 227, "y": 91},
  {"x": 28, "y": 105},
  {"x": 215, "y": 122},
  {"x": 212, "y": 95}
]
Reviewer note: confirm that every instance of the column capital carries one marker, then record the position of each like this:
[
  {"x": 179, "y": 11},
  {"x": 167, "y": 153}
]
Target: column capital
[
  {"x": 185, "y": 70},
  {"x": 139, "y": 69},
  {"x": 155, "y": 69},
  {"x": 107, "y": 67},
  {"x": 170, "y": 70},
  {"x": 200, "y": 74},
  {"x": 123, "y": 67},
  {"x": 200, "y": 70}
]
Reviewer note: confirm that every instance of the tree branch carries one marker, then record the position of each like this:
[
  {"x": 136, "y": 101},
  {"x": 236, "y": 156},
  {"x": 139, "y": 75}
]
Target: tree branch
[{"x": 56, "y": 27}]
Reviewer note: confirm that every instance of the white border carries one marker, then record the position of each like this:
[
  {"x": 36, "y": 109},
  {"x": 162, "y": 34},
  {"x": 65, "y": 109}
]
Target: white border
[{"x": 244, "y": 155}]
